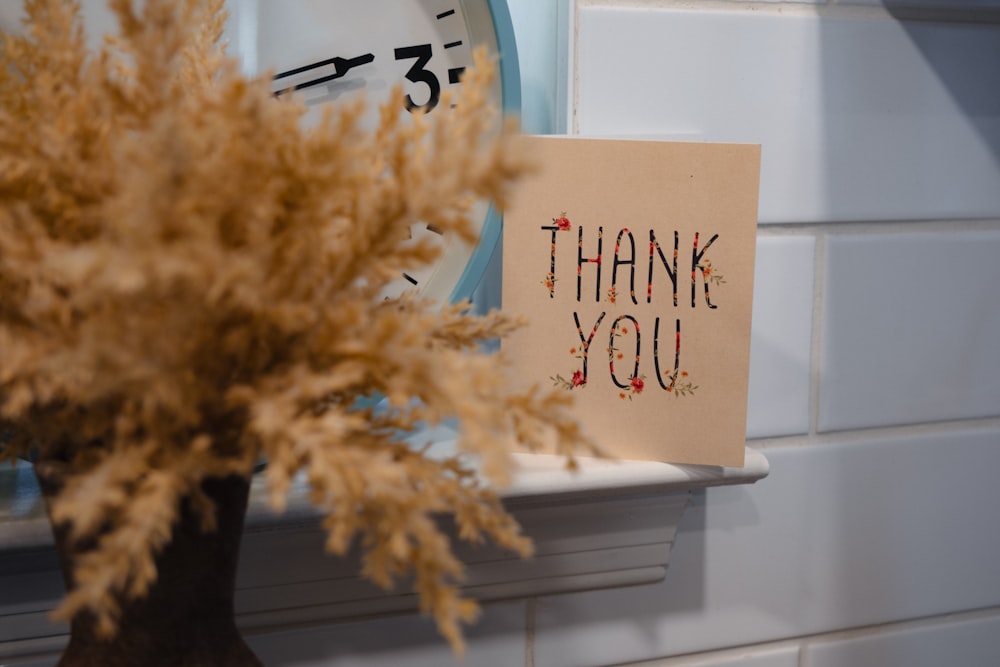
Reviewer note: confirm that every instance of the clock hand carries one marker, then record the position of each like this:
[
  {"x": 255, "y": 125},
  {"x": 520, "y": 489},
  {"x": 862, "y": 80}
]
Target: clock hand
[{"x": 341, "y": 67}]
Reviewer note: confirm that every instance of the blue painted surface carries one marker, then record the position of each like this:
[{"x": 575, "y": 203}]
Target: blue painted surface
[
  {"x": 539, "y": 46},
  {"x": 510, "y": 78}
]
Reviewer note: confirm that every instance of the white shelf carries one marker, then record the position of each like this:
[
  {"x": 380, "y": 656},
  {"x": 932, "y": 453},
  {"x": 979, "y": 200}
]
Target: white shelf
[
  {"x": 543, "y": 475},
  {"x": 609, "y": 524}
]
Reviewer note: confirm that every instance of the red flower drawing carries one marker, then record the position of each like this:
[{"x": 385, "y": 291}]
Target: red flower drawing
[
  {"x": 636, "y": 384},
  {"x": 576, "y": 380},
  {"x": 562, "y": 222}
]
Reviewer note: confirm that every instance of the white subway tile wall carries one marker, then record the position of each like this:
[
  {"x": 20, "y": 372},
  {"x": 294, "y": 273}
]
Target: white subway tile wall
[
  {"x": 911, "y": 324},
  {"x": 860, "y": 117},
  {"x": 973, "y": 641},
  {"x": 875, "y": 371},
  {"x": 840, "y": 535},
  {"x": 781, "y": 342},
  {"x": 785, "y": 656}
]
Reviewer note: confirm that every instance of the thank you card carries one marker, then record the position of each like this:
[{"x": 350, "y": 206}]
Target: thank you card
[{"x": 633, "y": 263}]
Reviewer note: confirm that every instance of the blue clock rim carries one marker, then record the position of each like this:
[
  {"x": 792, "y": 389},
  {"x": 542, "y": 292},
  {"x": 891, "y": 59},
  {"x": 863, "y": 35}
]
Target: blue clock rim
[{"x": 510, "y": 86}]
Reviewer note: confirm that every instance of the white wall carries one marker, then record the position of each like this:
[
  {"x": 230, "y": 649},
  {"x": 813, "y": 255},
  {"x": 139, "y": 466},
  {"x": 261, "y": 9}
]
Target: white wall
[
  {"x": 875, "y": 367},
  {"x": 875, "y": 379},
  {"x": 875, "y": 372}
]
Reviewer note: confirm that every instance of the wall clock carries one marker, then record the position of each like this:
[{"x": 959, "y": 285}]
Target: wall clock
[{"x": 329, "y": 50}]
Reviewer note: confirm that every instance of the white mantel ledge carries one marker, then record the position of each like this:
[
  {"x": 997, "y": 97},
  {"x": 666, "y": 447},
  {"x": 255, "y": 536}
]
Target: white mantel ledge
[
  {"x": 607, "y": 524},
  {"x": 544, "y": 474}
]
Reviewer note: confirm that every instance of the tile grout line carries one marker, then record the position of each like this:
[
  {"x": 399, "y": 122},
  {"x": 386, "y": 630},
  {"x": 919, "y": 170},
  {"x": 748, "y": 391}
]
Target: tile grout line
[
  {"x": 990, "y": 423},
  {"x": 565, "y": 61},
  {"x": 803, "y": 653},
  {"x": 816, "y": 339},
  {"x": 873, "y": 227},
  {"x": 902, "y": 625},
  {"x": 574, "y": 26},
  {"x": 803, "y": 642},
  {"x": 942, "y": 13},
  {"x": 530, "y": 611}
]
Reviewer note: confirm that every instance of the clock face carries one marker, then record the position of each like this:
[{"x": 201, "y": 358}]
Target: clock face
[{"x": 327, "y": 51}]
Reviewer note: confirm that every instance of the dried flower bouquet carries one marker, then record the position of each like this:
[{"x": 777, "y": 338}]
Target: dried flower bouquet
[{"x": 190, "y": 280}]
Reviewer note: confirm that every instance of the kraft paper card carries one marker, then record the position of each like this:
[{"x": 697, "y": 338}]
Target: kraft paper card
[{"x": 633, "y": 262}]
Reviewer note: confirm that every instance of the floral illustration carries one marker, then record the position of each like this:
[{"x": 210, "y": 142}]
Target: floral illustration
[
  {"x": 636, "y": 384},
  {"x": 710, "y": 273},
  {"x": 550, "y": 283},
  {"x": 613, "y": 351},
  {"x": 681, "y": 385},
  {"x": 575, "y": 380},
  {"x": 613, "y": 295},
  {"x": 562, "y": 222}
]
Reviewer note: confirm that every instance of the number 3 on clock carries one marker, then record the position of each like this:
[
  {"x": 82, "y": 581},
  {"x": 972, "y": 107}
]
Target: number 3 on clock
[
  {"x": 419, "y": 74},
  {"x": 332, "y": 50}
]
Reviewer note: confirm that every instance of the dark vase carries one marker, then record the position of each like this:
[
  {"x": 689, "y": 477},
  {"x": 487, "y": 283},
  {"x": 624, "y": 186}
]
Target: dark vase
[{"x": 188, "y": 616}]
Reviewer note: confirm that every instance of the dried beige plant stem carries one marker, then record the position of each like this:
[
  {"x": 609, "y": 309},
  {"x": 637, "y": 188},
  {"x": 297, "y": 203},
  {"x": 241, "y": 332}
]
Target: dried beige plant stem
[{"x": 190, "y": 279}]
